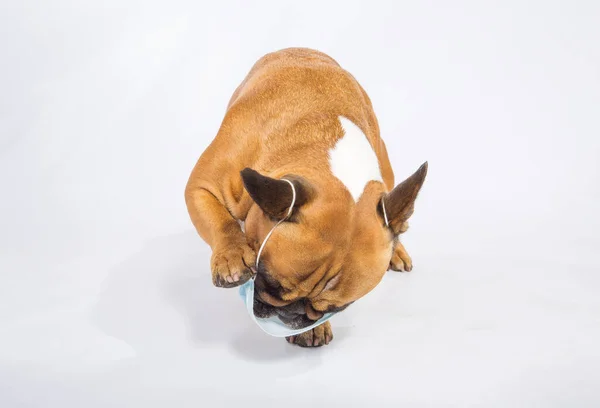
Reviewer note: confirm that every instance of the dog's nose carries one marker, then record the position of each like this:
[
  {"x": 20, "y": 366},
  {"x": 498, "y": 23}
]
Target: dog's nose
[{"x": 296, "y": 308}]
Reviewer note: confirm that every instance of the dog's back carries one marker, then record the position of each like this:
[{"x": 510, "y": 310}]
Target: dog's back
[
  {"x": 294, "y": 97},
  {"x": 279, "y": 61},
  {"x": 288, "y": 107}
]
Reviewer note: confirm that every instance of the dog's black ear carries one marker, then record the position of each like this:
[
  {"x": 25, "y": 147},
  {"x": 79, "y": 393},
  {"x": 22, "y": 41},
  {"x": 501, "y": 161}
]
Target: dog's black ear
[
  {"x": 400, "y": 202},
  {"x": 274, "y": 196}
]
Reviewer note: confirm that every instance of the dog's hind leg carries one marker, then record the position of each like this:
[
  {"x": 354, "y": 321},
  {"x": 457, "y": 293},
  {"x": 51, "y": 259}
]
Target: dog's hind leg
[{"x": 400, "y": 261}]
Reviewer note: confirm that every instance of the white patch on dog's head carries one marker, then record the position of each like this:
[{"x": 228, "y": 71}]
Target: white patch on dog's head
[{"x": 353, "y": 161}]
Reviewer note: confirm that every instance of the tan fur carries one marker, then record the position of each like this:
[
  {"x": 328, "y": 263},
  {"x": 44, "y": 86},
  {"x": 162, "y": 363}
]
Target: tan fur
[{"x": 281, "y": 121}]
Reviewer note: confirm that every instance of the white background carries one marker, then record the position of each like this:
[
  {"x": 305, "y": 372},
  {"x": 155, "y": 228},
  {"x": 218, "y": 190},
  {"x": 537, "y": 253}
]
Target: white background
[{"x": 105, "y": 291}]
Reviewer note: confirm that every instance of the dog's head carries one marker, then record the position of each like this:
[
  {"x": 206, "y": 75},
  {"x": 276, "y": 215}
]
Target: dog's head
[{"x": 331, "y": 250}]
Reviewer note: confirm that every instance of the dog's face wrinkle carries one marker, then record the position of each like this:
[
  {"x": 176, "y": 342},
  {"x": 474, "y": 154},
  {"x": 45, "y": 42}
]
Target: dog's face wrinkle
[
  {"x": 291, "y": 315},
  {"x": 336, "y": 309},
  {"x": 266, "y": 283}
]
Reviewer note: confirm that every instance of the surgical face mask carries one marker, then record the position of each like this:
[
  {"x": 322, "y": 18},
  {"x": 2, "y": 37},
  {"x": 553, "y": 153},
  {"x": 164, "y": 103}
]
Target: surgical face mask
[{"x": 273, "y": 325}]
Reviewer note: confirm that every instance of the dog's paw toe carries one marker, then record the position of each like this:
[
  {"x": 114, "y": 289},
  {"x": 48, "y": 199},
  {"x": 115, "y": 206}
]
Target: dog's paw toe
[
  {"x": 317, "y": 337},
  {"x": 400, "y": 261},
  {"x": 232, "y": 266}
]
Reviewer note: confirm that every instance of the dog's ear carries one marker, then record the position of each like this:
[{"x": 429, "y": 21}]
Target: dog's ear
[
  {"x": 400, "y": 202},
  {"x": 274, "y": 196}
]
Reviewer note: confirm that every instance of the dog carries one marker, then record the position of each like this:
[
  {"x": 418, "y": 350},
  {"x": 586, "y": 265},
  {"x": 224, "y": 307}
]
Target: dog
[{"x": 299, "y": 117}]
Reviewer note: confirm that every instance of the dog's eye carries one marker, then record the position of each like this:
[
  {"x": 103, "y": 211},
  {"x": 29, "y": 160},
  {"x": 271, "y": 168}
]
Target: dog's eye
[{"x": 292, "y": 219}]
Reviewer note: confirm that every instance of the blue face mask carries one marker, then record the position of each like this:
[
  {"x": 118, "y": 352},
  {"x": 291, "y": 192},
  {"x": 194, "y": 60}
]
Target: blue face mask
[{"x": 273, "y": 325}]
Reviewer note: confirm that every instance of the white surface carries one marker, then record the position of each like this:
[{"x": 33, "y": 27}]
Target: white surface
[
  {"x": 105, "y": 292},
  {"x": 353, "y": 160}
]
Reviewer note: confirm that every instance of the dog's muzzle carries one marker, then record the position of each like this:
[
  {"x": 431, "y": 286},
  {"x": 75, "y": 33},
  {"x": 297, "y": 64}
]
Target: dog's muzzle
[{"x": 275, "y": 324}]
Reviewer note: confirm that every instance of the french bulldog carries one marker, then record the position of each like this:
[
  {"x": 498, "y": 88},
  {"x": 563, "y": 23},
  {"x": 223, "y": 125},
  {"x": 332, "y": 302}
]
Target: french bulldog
[{"x": 299, "y": 117}]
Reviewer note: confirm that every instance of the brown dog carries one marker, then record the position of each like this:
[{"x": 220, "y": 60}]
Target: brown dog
[{"x": 298, "y": 115}]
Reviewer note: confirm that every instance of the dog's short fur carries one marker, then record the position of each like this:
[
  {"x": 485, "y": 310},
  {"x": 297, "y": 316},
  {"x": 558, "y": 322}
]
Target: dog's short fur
[{"x": 298, "y": 115}]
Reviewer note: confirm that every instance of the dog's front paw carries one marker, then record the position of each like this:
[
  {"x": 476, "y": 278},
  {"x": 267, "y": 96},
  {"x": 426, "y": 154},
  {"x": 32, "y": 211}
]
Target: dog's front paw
[
  {"x": 317, "y": 337},
  {"x": 231, "y": 265},
  {"x": 400, "y": 259}
]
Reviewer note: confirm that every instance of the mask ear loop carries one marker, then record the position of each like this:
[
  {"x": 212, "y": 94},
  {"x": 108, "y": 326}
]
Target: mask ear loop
[
  {"x": 385, "y": 217},
  {"x": 290, "y": 210}
]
